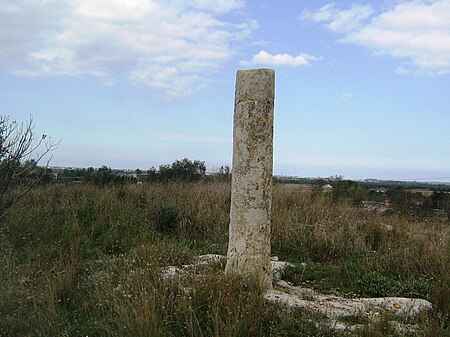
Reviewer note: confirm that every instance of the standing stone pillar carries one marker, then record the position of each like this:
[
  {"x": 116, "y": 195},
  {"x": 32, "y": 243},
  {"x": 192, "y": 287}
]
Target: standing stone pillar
[{"x": 251, "y": 187}]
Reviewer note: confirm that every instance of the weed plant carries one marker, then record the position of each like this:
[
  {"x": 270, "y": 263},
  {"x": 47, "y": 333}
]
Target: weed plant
[{"x": 82, "y": 260}]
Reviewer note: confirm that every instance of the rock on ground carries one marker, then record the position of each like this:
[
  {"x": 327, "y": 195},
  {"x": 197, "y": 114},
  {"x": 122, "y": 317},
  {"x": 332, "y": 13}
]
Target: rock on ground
[{"x": 332, "y": 307}]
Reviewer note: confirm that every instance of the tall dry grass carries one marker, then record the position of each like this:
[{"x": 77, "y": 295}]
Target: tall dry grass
[
  {"x": 314, "y": 227},
  {"x": 84, "y": 260}
]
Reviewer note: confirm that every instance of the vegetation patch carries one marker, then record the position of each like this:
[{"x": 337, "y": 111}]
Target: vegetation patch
[{"x": 85, "y": 259}]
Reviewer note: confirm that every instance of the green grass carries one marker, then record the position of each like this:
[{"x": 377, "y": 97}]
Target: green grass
[
  {"x": 347, "y": 279},
  {"x": 83, "y": 260}
]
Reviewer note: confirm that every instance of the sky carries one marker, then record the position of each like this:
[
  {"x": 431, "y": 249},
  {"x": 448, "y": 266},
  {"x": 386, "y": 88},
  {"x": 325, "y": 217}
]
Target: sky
[{"x": 362, "y": 87}]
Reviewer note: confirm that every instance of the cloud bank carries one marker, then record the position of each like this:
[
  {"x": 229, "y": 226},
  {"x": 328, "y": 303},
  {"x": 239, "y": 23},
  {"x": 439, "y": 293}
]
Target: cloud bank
[
  {"x": 171, "y": 46},
  {"x": 264, "y": 58},
  {"x": 416, "y": 32}
]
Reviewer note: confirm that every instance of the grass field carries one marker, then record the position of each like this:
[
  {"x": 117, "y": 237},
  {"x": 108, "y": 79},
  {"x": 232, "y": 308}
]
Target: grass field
[{"x": 81, "y": 260}]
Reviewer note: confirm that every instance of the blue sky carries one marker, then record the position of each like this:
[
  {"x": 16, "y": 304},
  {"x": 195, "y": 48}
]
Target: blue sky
[{"x": 362, "y": 88}]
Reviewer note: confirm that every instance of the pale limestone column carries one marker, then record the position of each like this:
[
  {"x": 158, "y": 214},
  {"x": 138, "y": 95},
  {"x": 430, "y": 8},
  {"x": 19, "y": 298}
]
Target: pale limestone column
[{"x": 251, "y": 187}]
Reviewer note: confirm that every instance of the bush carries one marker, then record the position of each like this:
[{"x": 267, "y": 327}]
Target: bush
[
  {"x": 103, "y": 176},
  {"x": 166, "y": 218},
  {"x": 349, "y": 189},
  {"x": 184, "y": 170},
  {"x": 20, "y": 152}
]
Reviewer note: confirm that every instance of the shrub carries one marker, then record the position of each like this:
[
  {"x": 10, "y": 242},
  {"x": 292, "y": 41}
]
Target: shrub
[{"x": 166, "y": 218}]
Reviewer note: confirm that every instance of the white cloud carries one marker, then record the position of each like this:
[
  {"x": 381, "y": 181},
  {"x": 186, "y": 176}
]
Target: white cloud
[
  {"x": 217, "y": 6},
  {"x": 337, "y": 20},
  {"x": 264, "y": 58},
  {"x": 173, "y": 46},
  {"x": 416, "y": 32}
]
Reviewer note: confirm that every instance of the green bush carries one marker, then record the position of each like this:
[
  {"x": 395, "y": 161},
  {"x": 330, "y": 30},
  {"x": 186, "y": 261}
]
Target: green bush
[
  {"x": 166, "y": 218},
  {"x": 349, "y": 189}
]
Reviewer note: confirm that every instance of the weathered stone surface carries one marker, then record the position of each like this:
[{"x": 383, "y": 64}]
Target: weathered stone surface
[
  {"x": 335, "y": 307},
  {"x": 278, "y": 268},
  {"x": 202, "y": 261},
  {"x": 251, "y": 191},
  {"x": 172, "y": 272},
  {"x": 208, "y": 258}
]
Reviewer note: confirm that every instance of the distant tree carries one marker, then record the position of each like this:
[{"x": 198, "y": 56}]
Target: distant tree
[
  {"x": 165, "y": 173},
  {"x": 187, "y": 170},
  {"x": 183, "y": 170},
  {"x": 317, "y": 187},
  {"x": 88, "y": 174},
  {"x": 224, "y": 173},
  {"x": 348, "y": 189},
  {"x": 318, "y": 184},
  {"x": 68, "y": 175},
  {"x": 103, "y": 176},
  {"x": 47, "y": 176},
  {"x": 20, "y": 152},
  {"x": 36, "y": 173},
  {"x": 152, "y": 175}
]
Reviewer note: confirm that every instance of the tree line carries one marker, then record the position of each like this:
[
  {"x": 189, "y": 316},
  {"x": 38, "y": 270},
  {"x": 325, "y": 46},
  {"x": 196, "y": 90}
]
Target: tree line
[{"x": 184, "y": 170}]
